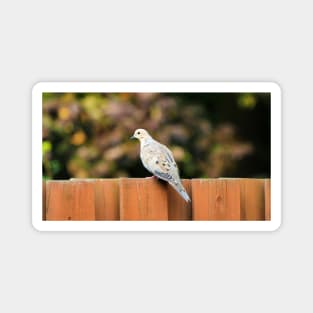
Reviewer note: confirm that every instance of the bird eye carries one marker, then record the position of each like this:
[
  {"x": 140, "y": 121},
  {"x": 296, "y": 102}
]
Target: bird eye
[{"x": 138, "y": 133}]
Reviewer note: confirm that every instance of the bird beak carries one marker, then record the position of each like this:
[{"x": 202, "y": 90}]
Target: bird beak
[{"x": 132, "y": 137}]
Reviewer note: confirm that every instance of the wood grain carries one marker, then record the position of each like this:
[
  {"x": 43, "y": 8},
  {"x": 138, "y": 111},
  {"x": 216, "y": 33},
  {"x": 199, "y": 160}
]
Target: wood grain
[
  {"x": 44, "y": 200},
  {"x": 143, "y": 199},
  {"x": 267, "y": 187},
  {"x": 252, "y": 199},
  {"x": 178, "y": 208},
  {"x": 216, "y": 199},
  {"x": 68, "y": 200},
  {"x": 149, "y": 199},
  {"x": 107, "y": 199}
]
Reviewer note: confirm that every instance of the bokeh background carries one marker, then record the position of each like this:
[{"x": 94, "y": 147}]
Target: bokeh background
[{"x": 86, "y": 135}]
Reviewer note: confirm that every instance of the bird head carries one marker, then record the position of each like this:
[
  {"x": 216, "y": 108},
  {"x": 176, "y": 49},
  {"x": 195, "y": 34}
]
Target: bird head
[{"x": 140, "y": 134}]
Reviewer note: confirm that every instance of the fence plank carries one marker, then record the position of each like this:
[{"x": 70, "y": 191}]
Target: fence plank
[
  {"x": 58, "y": 204},
  {"x": 84, "y": 208},
  {"x": 267, "y": 187},
  {"x": 149, "y": 199},
  {"x": 68, "y": 200},
  {"x": 43, "y": 200},
  {"x": 216, "y": 199},
  {"x": 252, "y": 199},
  {"x": 178, "y": 208},
  {"x": 107, "y": 199},
  {"x": 142, "y": 199}
]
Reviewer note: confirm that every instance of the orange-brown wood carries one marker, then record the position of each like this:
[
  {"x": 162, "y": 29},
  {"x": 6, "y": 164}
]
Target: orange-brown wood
[
  {"x": 107, "y": 199},
  {"x": 178, "y": 208},
  {"x": 58, "y": 200},
  {"x": 84, "y": 205},
  {"x": 216, "y": 199},
  {"x": 70, "y": 200},
  {"x": 150, "y": 199},
  {"x": 267, "y": 187},
  {"x": 43, "y": 200},
  {"x": 143, "y": 199},
  {"x": 252, "y": 199}
]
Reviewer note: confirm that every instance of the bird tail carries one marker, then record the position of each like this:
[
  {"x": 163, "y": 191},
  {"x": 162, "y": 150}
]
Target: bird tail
[{"x": 181, "y": 190}]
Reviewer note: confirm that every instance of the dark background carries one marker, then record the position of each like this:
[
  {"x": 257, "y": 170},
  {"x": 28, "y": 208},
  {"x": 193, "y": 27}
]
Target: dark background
[{"x": 210, "y": 134}]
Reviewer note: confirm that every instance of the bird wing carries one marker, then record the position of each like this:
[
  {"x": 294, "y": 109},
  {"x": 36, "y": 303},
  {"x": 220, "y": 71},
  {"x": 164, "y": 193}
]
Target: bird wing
[{"x": 159, "y": 160}]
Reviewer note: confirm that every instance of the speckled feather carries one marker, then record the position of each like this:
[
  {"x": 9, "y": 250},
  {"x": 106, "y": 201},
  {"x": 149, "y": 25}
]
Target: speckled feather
[{"x": 159, "y": 160}]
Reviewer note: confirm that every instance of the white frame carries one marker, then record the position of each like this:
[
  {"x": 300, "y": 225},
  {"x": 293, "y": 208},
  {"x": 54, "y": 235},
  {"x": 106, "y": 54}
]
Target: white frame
[{"x": 266, "y": 87}]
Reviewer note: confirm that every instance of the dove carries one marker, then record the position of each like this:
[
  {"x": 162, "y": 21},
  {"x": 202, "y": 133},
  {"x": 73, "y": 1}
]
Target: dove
[{"x": 159, "y": 160}]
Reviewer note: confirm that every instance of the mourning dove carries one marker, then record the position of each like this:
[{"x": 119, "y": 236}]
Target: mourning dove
[{"x": 159, "y": 160}]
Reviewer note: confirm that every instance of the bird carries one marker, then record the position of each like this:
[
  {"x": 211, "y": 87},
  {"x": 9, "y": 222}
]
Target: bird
[{"x": 159, "y": 160}]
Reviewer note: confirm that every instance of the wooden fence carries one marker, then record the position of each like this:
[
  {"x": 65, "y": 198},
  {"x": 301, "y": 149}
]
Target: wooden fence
[{"x": 150, "y": 199}]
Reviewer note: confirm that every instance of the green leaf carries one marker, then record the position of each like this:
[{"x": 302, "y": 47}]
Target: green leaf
[{"x": 46, "y": 146}]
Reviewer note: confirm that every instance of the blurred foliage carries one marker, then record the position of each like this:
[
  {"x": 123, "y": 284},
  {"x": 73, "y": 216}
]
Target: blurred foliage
[{"x": 210, "y": 134}]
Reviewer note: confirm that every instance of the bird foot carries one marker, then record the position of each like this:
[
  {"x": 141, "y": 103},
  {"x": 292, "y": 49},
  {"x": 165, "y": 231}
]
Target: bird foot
[{"x": 153, "y": 176}]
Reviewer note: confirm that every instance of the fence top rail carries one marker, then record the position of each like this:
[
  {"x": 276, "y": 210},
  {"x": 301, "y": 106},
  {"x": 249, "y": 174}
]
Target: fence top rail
[{"x": 145, "y": 178}]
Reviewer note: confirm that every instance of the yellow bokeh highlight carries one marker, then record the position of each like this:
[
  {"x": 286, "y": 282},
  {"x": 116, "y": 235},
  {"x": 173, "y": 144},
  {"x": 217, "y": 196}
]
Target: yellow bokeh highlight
[
  {"x": 247, "y": 101},
  {"x": 64, "y": 113},
  {"x": 78, "y": 138}
]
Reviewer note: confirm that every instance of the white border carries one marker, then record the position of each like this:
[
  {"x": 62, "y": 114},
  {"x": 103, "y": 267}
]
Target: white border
[{"x": 42, "y": 87}]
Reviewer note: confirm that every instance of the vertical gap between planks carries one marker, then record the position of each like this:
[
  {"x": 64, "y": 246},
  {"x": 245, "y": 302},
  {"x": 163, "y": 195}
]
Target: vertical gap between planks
[
  {"x": 216, "y": 199},
  {"x": 149, "y": 199},
  {"x": 107, "y": 206},
  {"x": 200, "y": 199},
  {"x": 252, "y": 199},
  {"x": 232, "y": 204},
  {"x": 85, "y": 200},
  {"x": 178, "y": 208},
  {"x": 58, "y": 200},
  {"x": 142, "y": 199}
]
